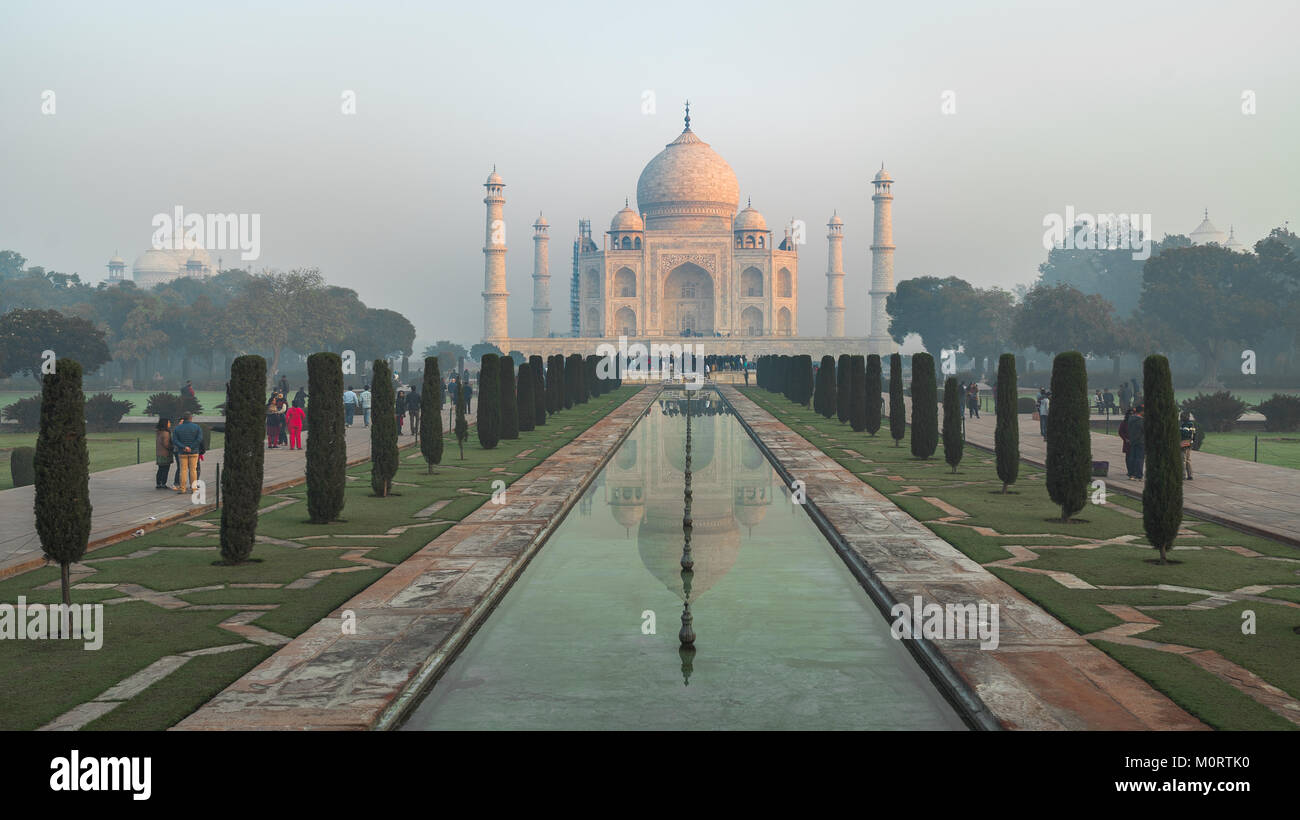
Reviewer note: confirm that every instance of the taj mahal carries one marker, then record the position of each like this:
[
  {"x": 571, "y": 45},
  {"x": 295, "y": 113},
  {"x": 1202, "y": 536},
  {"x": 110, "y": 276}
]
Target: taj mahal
[{"x": 687, "y": 264}]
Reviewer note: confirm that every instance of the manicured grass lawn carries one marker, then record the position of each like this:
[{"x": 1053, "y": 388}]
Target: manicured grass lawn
[
  {"x": 1278, "y": 449},
  {"x": 107, "y": 450},
  {"x": 40, "y": 680},
  {"x": 1029, "y": 519}
]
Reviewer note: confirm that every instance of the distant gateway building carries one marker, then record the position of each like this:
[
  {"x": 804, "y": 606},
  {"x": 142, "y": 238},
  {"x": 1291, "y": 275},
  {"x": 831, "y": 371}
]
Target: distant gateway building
[{"x": 685, "y": 263}]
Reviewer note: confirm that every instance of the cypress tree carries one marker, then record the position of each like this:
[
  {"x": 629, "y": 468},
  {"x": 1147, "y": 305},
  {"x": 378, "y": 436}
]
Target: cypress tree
[
  {"x": 62, "y": 471},
  {"x": 1162, "y": 491},
  {"x": 952, "y": 413},
  {"x": 489, "y": 401},
  {"x": 824, "y": 399},
  {"x": 524, "y": 397},
  {"x": 873, "y": 394},
  {"x": 925, "y": 406},
  {"x": 561, "y": 389},
  {"x": 431, "y": 415},
  {"x": 1006, "y": 435},
  {"x": 1069, "y": 440},
  {"x": 897, "y": 407},
  {"x": 22, "y": 466},
  {"x": 843, "y": 388},
  {"x": 857, "y": 394},
  {"x": 383, "y": 429},
  {"x": 327, "y": 452},
  {"x": 538, "y": 370},
  {"x": 572, "y": 379},
  {"x": 241, "y": 478},
  {"x": 589, "y": 379},
  {"x": 462, "y": 426},
  {"x": 509, "y": 399}
]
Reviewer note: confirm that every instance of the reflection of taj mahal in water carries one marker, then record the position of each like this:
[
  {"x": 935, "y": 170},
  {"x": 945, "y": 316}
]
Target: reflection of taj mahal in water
[
  {"x": 732, "y": 490},
  {"x": 686, "y": 263}
]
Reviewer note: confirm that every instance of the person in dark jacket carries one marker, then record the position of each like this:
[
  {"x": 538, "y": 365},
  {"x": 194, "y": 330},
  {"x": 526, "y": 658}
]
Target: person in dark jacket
[
  {"x": 162, "y": 451},
  {"x": 399, "y": 409},
  {"x": 413, "y": 408},
  {"x": 300, "y": 398},
  {"x": 1136, "y": 443},
  {"x": 1123, "y": 436},
  {"x": 187, "y": 444}
]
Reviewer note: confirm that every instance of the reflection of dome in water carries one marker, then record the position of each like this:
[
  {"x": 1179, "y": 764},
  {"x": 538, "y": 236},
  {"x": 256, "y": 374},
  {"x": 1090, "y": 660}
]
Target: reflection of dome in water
[
  {"x": 715, "y": 543},
  {"x": 751, "y": 502},
  {"x": 703, "y": 443},
  {"x": 750, "y": 457},
  {"x": 627, "y": 505}
]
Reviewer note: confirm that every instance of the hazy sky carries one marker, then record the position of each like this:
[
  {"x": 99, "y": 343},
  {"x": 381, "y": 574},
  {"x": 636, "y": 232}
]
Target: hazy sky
[{"x": 234, "y": 107}]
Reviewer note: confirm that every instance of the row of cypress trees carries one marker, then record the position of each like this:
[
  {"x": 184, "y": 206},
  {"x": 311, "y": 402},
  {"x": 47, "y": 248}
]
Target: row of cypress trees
[{"x": 841, "y": 390}]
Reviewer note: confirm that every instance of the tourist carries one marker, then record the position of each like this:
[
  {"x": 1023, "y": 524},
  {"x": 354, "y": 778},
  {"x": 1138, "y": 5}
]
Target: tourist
[
  {"x": 349, "y": 406},
  {"x": 294, "y": 418},
  {"x": 1044, "y": 402},
  {"x": 163, "y": 451},
  {"x": 187, "y": 444},
  {"x": 973, "y": 401},
  {"x": 1187, "y": 439},
  {"x": 284, "y": 385},
  {"x": 274, "y": 423},
  {"x": 413, "y": 407},
  {"x": 1124, "y": 398},
  {"x": 1108, "y": 401},
  {"x": 399, "y": 408},
  {"x": 364, "y": 400},
  {"x": 188, "y": 390},
  {"x": 1123, "y": 437},
  {"x": 1136, "y": 443},
  {"x": 282, "y": 406},
  {"x": 300, "y": 398}
]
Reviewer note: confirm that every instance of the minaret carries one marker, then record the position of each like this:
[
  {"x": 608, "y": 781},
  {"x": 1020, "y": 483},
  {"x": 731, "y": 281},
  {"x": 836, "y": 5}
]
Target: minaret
[
  {"x": 541, "y": 280},
  {"x": 494, "y": 264},
  {"x": 882, "y": 264},
  {"x": 835, "y": 277}
]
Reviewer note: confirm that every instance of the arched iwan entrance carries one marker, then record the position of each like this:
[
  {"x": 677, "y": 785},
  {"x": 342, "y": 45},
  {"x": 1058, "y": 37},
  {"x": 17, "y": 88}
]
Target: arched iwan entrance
[{"x": 688, "y": 301}]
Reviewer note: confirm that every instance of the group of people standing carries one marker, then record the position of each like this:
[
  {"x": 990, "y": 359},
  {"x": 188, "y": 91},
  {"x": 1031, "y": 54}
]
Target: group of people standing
[
  {"x": 406, "y": 403},
  {"x": 284, "y": 423},
  {"x": 1132, "y": 431},
  {"x": 181, "y": 445}
]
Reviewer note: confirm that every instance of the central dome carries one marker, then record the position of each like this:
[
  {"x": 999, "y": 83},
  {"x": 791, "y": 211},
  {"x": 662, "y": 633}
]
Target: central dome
[{"x": 688, "y": 186}]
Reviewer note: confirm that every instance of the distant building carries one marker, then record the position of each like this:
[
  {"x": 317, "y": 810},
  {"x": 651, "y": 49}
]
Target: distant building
[
  {"x": 1206, "y": 234},
  {"x": 157, "y": 266}
]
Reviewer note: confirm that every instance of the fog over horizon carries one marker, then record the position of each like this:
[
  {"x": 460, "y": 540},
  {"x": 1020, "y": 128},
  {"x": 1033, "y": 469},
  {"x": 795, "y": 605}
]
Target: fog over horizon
[{"x": 1102, "y": 107}]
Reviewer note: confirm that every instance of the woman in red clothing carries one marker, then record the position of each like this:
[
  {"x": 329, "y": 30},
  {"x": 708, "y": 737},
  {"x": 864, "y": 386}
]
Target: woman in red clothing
[{"x": 294, "y": 417}]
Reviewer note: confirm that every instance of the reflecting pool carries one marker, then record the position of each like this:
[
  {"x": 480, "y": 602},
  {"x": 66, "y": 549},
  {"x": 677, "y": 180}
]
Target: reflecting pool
[{"x": 587, "y": 638}]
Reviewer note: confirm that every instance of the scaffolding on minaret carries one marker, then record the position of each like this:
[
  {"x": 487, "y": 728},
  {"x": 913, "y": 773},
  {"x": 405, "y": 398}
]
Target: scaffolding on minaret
[{"x": 579, "y": 245}]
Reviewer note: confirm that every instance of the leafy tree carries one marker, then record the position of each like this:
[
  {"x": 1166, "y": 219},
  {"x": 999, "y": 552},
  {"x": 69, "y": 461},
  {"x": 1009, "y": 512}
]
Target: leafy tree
[
  {"x": 1210, "y": 296},
  {"x": 62, "y": 471},
  {"x": 383, "y": 429},
  {"x": 1216, "y": 412},
  {"x": 241, "y": 480},
  {"x": 26, "y": 334},
  {"x": 489, "y": 401},
  {"x": 448, "y": 354},
  {"x": 524, "y": 397},
  {"x": 1281, "y": 413},
  {"x": 1061, "y": 318},
  {"x": 925, "y": 407},
  {"x": 481, "y": 349},
  {"x": 923, "y": 305},
  {"x": 1162, "y": 491},
  {"x": 873, "y": 394},
  {"x": 431, "y": 414},
  {"x": 843, "y": 380},
  {"x": 952, "y": 423},
  {"x": 538, "y": 390},
  {"x": 327, "y": 451},
  {"x": 857, "y": 394},
  {"x": 897, "y": 407},
  {"x": 509, "y": 399},
  {"x": 1006, "y": 434},
  {"x": 1069, "y": 439}
]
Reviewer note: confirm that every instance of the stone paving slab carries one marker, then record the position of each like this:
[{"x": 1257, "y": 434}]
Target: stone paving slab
[
  {"x": 409, "y": 621},
  {"x": 1042, "y": 675}
]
